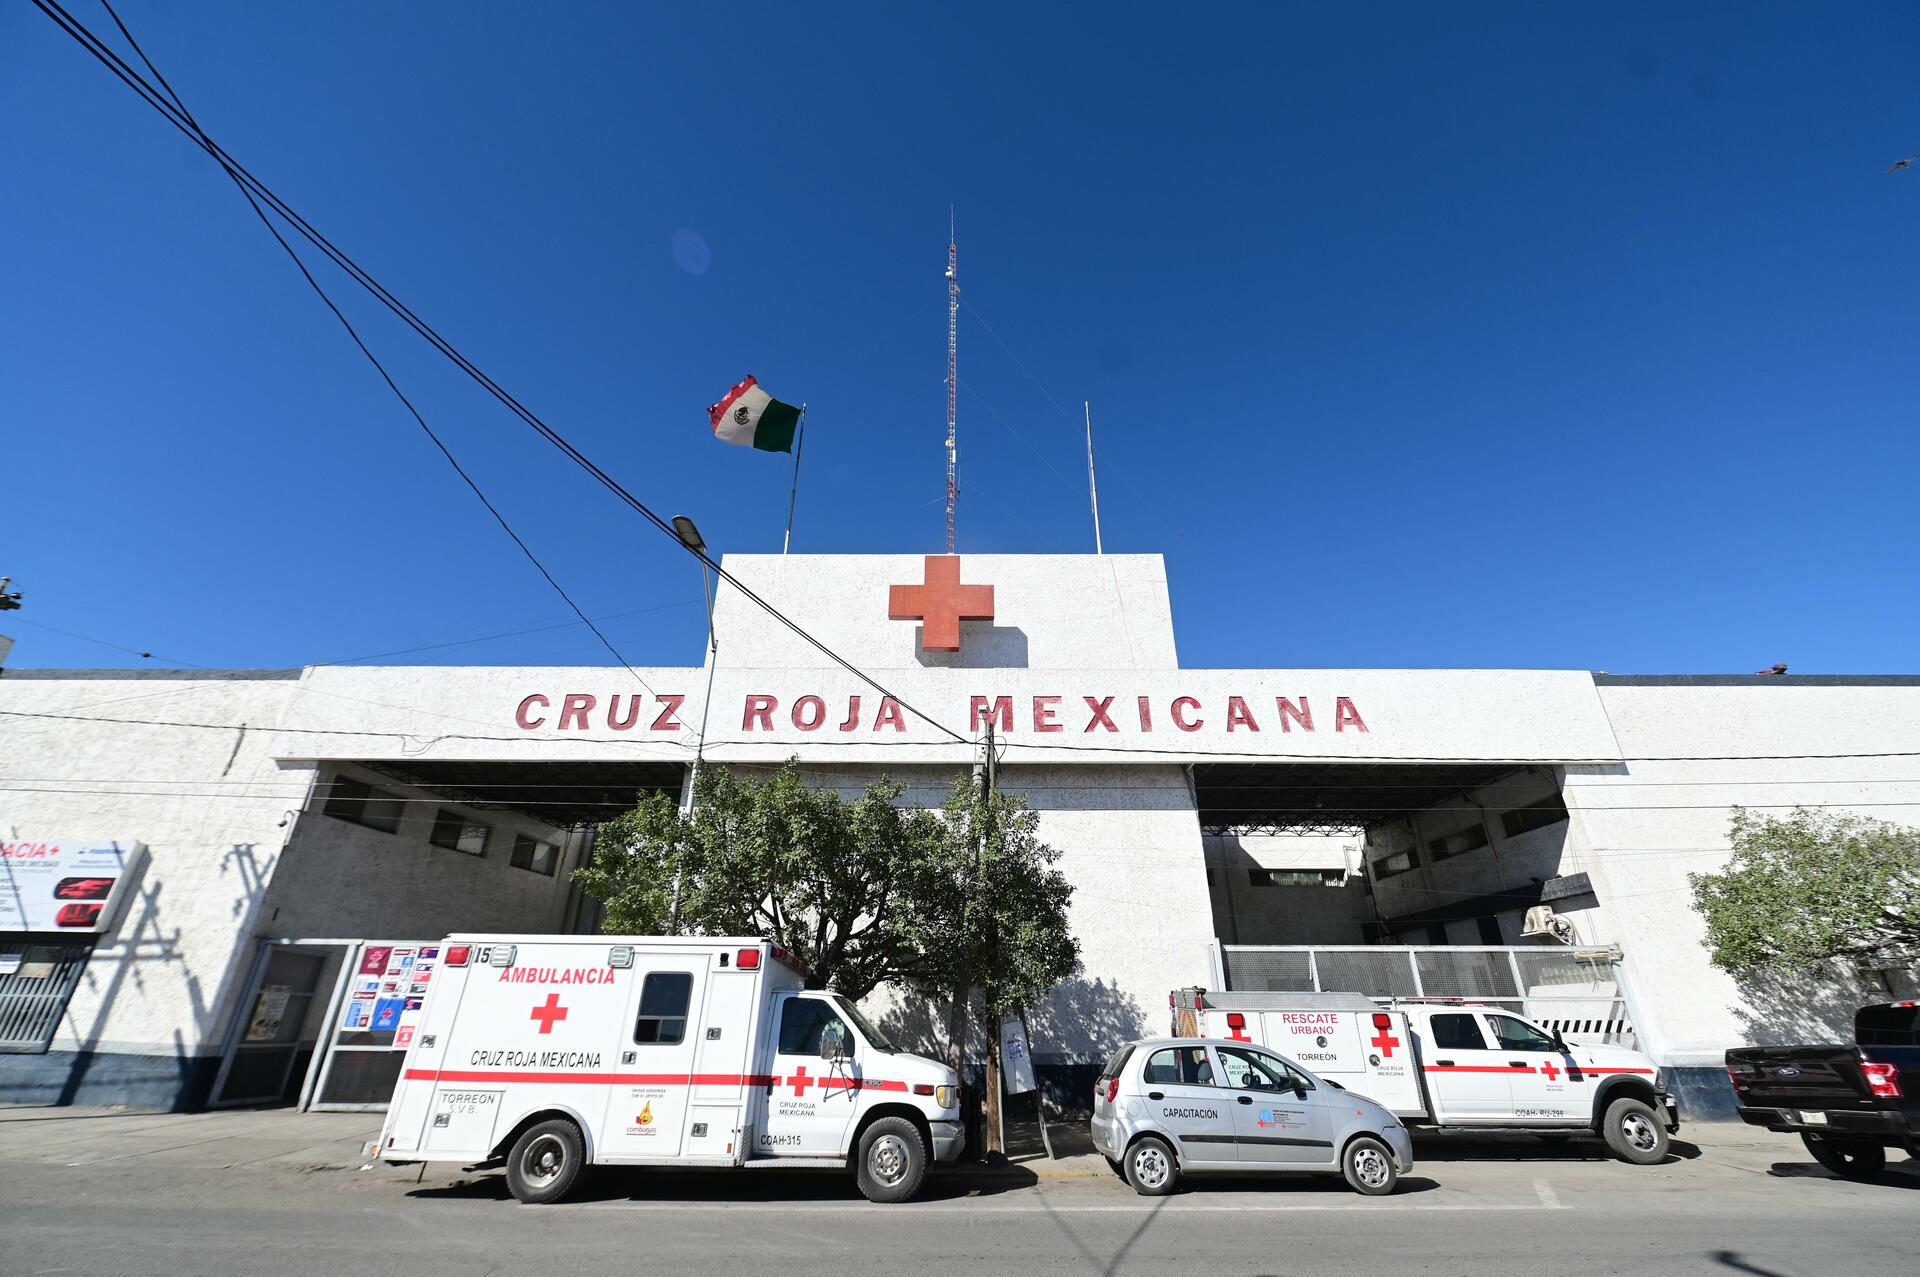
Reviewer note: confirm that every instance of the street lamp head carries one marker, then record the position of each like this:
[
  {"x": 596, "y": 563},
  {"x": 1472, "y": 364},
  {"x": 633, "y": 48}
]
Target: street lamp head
[{"x": 688, "y": 534}]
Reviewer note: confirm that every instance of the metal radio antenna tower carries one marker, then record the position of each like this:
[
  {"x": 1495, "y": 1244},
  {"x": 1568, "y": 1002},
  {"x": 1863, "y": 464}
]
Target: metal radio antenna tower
[{"x": 953, "y": 370}]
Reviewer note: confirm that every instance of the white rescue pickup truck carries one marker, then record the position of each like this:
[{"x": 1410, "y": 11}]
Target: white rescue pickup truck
[
  {"x": 1441, "y": 1062},
  {"x": 551, "y": 1053}
]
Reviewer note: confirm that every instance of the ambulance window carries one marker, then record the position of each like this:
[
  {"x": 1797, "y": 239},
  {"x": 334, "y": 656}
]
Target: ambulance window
[
  {"x": 664, "y": 997},
  {"x": 1518, "y": 1035},
  {"x": 1456, "y": 1033},
  {"x": 802, "y": 1022}
]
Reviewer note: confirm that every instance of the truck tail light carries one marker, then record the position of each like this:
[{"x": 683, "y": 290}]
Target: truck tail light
[
  {"x": 1113, "y": 1088},
  {"x": 1883, "y": 1080},
  {"x": 1381, "y": 1020},
  {"x": 1236, "y": 1022},
  {"x": 458, "y": 954},
  {"x": 747, "y": 960}
]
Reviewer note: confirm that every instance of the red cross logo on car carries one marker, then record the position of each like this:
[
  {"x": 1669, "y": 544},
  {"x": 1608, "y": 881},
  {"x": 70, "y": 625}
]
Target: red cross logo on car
[
  {"x": 1552, "y": 1071},
  {"x": 549, "y": 1014},
  {"x": 1386, "y": 1042},
  {"x": 940, "y": 604},
  {"x": 800, "y": 1081}
]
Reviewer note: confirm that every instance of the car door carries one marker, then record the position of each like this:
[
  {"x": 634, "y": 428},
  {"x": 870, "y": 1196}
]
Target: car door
[
  {"x": 1179, "y": 1094},
  {"x": 646, "y": 1115},
  {"x": 1465, "y": 1075},
  {"x": 810, "y": 1099},
  {"x": 1545, "y": 1084},
  {"x": 1279, "y": 1117}
]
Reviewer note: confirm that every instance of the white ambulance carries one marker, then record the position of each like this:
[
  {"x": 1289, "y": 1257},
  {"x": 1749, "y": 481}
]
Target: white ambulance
[
  {"x": 551, "y": 1053},
  {"x": 1446, "y": 1062}
]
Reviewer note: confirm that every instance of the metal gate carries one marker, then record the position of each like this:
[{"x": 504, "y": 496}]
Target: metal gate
[
  {"x": 35, "y": 982},
  {"x": 1574, "y": 990}
]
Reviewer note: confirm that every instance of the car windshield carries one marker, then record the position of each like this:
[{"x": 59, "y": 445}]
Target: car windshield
[{"x": 875, "y": 1038}]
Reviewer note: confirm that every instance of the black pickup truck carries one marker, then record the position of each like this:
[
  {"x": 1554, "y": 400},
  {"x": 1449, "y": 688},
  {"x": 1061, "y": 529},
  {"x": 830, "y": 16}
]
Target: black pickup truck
[{"x": 1849, "y": 1104}]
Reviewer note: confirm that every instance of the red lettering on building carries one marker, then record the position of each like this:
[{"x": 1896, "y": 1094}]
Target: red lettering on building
[
  {"x": 574, "y": 708},
  {"x": 853, "y": 714},
  {"x": 889, "y": 715},
  {"x": 816, "y": 713},
  {"x": 1044, "y": 708},
  {"x": 1001, "y": 712},
  {"x": 1239, "y": 715},
  {"x": 1290, "y": 715},
  {"x": 670, "y": 704},
  {"x": 1146, "y": 714},
  {"x": 1180, "y": 719},
  {"x": 1344, "y": 713},
  {"x": 1097, "y": 713},
  {"x": 617, "y": 723},
  {"x": 758, "y": 708},
  {"x": 520, "y": 715}
]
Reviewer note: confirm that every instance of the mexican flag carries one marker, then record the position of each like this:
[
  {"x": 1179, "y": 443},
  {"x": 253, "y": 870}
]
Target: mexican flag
[{"x": 755, "y": 419}]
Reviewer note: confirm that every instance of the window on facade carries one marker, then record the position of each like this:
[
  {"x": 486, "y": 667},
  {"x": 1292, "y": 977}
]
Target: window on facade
[
  {"x": 1472, "y": 838},
  {"x": 664, "y": 996},
  {"x": 1297, "y": 877},
  {"x": 1456, "y": 1032},
  {"x": 1550, "y": 810},
  {"x": 803, "y": 1022},
  {"x": 1396, "y": 863},
  {"x": 36, "y": 980},
  {"x": 531, "y": 853},
  {"x": 362, "y": 804},
  {"x": 457, "y": 833}
]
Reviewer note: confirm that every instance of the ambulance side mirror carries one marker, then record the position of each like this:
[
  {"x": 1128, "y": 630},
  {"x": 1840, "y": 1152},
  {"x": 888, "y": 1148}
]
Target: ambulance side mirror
[
  {"x": 833, "y": 1043},
  {"x": 1559, "y": 1043}
]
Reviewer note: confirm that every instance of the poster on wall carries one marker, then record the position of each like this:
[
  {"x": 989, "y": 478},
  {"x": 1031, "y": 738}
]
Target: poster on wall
[
  {"x": 373, "y": 959},
  {"x": 74, "y": 886},
  {"x": 1016, "y": 1064},
  {"x": 269, "y": 1010}
]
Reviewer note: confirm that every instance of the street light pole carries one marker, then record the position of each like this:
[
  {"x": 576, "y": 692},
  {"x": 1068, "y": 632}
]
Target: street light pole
[{"x": 689, "y": 535}]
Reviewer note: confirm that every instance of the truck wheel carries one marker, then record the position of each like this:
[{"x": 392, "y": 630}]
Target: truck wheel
[
  {"x": 546, "y": 1161},
  {"x": 1849, "y": 1159},
  {"x": 1633, "y": 1131},
  {"x": 1150, "y": 1167},
  {"x": 893, "y": 1160},
  {"x": 1369, "y": 1167}
]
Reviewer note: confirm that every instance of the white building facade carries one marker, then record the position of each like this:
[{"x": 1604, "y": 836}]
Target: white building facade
[{"x": 307, "y": 834}]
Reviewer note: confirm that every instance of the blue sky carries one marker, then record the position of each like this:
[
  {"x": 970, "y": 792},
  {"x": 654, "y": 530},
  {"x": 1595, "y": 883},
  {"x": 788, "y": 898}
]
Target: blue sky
[{"x": 1416, "y": 335}]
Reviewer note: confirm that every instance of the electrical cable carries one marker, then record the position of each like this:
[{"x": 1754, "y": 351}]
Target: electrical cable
[{"x": 127, "y": 75}]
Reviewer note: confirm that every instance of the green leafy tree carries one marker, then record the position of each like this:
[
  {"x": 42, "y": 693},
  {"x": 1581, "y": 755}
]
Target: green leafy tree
[
  {"x": 1811, "y": 886},
  {"x": 998, "y": 907},
  {"x": 831, "y": 881}
]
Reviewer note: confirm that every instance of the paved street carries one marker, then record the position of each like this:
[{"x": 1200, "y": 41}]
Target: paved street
[{"x": 102, "y": 1192}]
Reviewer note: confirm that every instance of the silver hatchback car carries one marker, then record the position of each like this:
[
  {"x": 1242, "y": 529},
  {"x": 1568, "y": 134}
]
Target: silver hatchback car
[{"x": 1167, "y": 1107}]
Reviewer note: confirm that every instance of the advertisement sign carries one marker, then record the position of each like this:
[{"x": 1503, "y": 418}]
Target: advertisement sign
[
  {"x": 1016, "y": 1063},
  {"x": 75, "y": 886},
  {"x": 269, "y": 1009}
]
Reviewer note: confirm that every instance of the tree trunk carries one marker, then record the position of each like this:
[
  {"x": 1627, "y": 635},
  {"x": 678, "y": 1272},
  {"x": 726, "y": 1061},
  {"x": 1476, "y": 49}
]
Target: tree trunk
[
  {"x": 990, "y": 1119},
  {"x": 957, "y": 1029}
]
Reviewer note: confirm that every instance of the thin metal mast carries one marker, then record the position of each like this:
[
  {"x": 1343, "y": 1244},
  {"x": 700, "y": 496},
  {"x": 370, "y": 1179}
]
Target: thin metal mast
[
  {"x": 1093, "y": 487},
  {"x": 953, "y": 370}
]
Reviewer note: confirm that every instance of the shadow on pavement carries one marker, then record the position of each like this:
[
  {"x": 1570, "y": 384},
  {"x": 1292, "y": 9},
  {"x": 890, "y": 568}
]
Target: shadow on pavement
[
  {"x": 693, "y": 1188},
  {"x": 1449, "y": 1146},
  {"x": 1330, "y": 1185},
  {"x": 1892, "y": 1177}
]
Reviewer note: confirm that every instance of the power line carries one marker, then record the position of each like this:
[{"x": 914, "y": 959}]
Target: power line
[
  {"x": 133, "y": 80},
  {"x": 379, "y": 367},
  {"x": 88, "y": 638}
]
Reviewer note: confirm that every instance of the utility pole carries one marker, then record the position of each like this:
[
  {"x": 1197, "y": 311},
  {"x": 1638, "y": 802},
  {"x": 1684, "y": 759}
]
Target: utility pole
[
  {"x": 993, "y": 1119},
  {"x": 953, "y": 370}
]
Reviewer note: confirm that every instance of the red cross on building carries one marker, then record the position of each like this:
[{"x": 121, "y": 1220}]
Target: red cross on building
[
  {"x": 940, "y": 604},
  {"x": 1386, "y": 1042},
  {"x": 549, "y": 1013},
  {"x": 800, "y": 1081},
  {"x": 1552, "y": 1071}
]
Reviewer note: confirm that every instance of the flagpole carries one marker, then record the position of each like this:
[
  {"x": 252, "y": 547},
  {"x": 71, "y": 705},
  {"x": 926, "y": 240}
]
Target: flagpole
[
  {"x": 1093, "y": 488},
  {"x": 799, "y": 443}
]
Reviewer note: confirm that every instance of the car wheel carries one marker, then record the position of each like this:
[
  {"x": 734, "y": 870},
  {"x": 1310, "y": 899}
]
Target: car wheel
[
  {"x": 1633, "y": 1131},
  {"x": 546, "y": 1161},
  {"x": 1849, "y": 1159},
  {"x": 1369, "y": 1167},
  {"x": 1150, "y": 1167},
  {"x": 893, "y": 1160}
]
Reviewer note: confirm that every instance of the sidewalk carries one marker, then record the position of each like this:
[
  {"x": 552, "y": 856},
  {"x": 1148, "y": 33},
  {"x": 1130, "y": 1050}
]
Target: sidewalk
[{"x": 283, "y": 1139}]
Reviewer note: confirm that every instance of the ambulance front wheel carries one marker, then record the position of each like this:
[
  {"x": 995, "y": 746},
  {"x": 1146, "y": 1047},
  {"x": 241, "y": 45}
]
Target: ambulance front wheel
[
  {"x": 1634, "y": 1133},
  {"x": 1150, "y": 1167},
  {"x": 546, "y": 1161},
  {"x": 893, "y": 1160}
]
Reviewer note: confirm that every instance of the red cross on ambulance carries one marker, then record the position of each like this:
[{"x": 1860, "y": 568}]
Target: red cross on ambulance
[
  {"x": 1384, "y": 1039},
  {"x": 548, "y": 1013}
]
